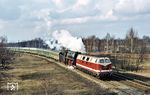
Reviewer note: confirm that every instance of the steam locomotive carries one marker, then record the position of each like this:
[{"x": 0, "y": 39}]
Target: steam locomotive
[{"x": 98, "y": 66}]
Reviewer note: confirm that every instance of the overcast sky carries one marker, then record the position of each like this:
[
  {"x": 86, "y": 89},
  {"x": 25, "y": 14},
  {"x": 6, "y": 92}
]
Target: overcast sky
[{"x": 27, "y": 19}]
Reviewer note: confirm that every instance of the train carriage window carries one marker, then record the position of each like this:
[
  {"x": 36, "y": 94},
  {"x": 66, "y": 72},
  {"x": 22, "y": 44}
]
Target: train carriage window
[
  {"x": 101, "y": 61},
  {"x": 83, "y": 57},
  {"x": 87, "y": 59}
]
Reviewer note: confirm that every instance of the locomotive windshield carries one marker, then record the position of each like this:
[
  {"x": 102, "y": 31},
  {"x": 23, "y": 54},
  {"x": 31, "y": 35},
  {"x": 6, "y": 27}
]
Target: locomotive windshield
[
  {"x": 101, "y": 61},
  {"x": 107, "y": 61}
]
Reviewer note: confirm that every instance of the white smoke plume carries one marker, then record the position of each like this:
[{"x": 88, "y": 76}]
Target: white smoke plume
[
  {"x": 66, "y": 40},
  {"x": 52, "y": 43}
]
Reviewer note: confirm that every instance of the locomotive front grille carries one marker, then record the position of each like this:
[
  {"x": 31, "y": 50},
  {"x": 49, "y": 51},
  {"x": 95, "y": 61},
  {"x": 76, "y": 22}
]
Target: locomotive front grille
[{"x": 105, "y": 67}]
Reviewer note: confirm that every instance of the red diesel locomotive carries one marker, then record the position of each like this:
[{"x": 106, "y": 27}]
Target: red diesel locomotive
[{"x": 99, "y": 66}]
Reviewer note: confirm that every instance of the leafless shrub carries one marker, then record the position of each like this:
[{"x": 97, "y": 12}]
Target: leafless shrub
[{"x": 6, "y": 55}]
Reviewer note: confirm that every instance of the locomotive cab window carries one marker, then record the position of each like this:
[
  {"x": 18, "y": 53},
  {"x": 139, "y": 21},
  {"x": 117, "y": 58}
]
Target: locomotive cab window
[
  {"x": 107, "y": 61},
  {"x": 101, "y": 60}
]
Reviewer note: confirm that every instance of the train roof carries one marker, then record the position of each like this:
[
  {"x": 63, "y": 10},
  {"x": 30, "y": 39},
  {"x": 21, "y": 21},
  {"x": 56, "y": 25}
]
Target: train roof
[{"x": 93, "y": 56}]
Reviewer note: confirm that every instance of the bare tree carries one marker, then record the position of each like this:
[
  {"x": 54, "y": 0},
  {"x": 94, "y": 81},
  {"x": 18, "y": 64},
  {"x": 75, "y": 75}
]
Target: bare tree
[
  {"x": 108, "y": 37},
  {"x": 131, "y": 40},
  {"x": 140, "y": 54},
  {"x": 90, "y": 43},
  {"x": 6, "y": 55}
]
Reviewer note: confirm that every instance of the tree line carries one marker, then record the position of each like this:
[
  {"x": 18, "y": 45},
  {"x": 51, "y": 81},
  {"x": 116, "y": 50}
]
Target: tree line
[
  {"x": 130, "y": 44},
  {"x": 35, "y": 43}
]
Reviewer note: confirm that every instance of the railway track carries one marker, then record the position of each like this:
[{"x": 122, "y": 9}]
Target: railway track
[
  {"x": 115, "y": 86},
  {"x": 99, "y": 82},
  {"x": 140, "y": 83},
  {"x": 141, "y": 86}
]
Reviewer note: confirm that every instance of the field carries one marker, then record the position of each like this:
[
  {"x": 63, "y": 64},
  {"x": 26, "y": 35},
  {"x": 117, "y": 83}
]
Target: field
[
  {"x": 36, "y": 76},
  {"x": 145, "y": 69}
]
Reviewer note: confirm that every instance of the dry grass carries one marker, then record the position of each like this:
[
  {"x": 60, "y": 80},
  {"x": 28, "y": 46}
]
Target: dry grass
[
  {"x": 36, "y": 76},
  {"x": 145, "y": 69}
]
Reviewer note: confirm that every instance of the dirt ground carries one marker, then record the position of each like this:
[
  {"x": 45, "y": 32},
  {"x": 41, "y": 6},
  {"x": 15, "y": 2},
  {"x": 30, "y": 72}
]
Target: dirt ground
[{"x": 36, "y": 76}]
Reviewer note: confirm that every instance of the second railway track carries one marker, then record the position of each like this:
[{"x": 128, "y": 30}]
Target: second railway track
[{"x": 138, "y": 84}]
